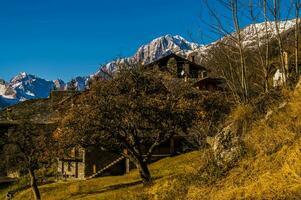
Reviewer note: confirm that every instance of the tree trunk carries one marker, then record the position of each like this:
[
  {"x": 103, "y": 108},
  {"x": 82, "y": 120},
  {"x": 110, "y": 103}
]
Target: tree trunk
[
  {"x": 267, "y": 50},
  {"x": 263, "y": 55},
  {"x": 34, "y": 185},
  {"x": 239, "y": 40},
  {"x": 276, "y": 15},
  {"x": 297, "y": 7},
  {"x": 144, "y": 171}
]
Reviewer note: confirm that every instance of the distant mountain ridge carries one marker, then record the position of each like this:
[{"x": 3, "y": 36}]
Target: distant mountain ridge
[
  {"x": 25, "y": 86},
  {"x": 156, "y": 49},
  {"x": 166, "y": 44}
]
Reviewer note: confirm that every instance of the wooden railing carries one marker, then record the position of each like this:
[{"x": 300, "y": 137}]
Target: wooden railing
[{"x": 106, "y": 167}]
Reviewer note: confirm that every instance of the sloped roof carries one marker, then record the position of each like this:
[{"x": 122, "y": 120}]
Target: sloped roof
[
  {"x": 219, "y": 82},
  {"x": 178, "y": 58}
]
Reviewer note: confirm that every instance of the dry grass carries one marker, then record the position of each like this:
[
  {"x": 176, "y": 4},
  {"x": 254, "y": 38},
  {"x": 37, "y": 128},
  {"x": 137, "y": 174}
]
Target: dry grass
[
  {"x": 271, "y": 169},
  {"x": 118, "y": 187},
  {"x": 272, "y": 166}
]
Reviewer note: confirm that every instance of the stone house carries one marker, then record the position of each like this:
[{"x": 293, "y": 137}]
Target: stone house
[
  {"x": 183, "y": 67},
  {"x": 85, "y": 163},
  {"x": 188, "y": 69}
]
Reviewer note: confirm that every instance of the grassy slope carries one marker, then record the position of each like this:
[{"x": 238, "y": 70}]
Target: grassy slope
[
  {"x": 271, "y": 169},
  {"x": 117, "y": 187}
]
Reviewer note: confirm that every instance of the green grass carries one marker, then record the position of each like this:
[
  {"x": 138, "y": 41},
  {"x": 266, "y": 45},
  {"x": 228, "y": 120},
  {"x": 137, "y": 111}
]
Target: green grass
[{"x": 118, "y": 187}]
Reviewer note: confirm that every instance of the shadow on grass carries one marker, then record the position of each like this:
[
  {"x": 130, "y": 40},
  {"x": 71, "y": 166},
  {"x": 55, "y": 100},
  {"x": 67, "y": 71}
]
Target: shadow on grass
[
  {"x": 110, "y": 188},
  {"x": 105, "y": 189}
]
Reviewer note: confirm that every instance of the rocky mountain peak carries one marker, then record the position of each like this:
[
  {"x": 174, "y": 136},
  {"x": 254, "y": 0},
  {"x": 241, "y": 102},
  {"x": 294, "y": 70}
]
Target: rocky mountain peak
[
  {"x": 154, "y": 50},
  {"x": 26, "y": 86}
]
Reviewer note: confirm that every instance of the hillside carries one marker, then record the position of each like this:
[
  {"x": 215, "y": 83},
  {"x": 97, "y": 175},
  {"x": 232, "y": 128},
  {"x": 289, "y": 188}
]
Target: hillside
[
  {"x": 268, "y": 169},
  {"x": 118, "y": 187}
]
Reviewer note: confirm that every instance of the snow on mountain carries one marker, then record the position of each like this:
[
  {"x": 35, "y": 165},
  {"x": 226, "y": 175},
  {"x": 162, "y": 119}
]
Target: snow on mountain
[
  {"x": 162, "y": 45},
  {"x": 59, "y": 84},
  {"x": 177, "y": 44},
  {"x": 156, "y": 49},
  {"x": 81, "y": 83},
  {"x": 5, "y": 98},
  {"x": 251, "y": 33},
  {"x": 5, "y": 91},
  {"x": 2, "y": 87},
  {"x": 28, "y": 86},
  {"x": 25, "y": 86},
  {"x": 254, "y": 31}
]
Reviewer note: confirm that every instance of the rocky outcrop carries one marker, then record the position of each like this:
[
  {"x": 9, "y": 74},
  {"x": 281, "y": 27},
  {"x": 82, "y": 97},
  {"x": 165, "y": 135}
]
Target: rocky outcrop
[{"x": 227, "y": 146}]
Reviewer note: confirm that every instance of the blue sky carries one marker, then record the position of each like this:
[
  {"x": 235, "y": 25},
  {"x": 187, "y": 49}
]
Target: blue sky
[{"x": 66, "y": 38}]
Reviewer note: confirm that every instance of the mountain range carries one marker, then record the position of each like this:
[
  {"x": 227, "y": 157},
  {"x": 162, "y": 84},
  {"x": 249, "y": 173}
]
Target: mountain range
[{"x": 26, "y": 86}]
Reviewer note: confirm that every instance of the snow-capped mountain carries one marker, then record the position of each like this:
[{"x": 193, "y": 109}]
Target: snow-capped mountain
[
  {"x": 254, "y": 31},
  {"x": 155, "y": 49},
  {"x": 163, "y": 45},
  {"x": 59, "y": 84},
  {"x": 25, "y": 86},
  {"x": 166, "y": 44},
  {"x": 80, "y": 83},
  {"x": 251, "y": 33},
  {"x": 6, "y": 96}
]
